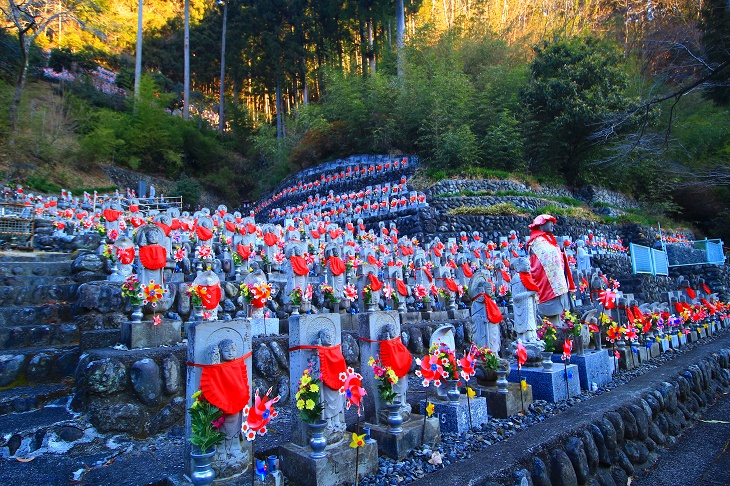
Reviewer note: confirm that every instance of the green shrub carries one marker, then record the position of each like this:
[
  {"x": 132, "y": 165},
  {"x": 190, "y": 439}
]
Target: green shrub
[{"x": 501, "y": 209}]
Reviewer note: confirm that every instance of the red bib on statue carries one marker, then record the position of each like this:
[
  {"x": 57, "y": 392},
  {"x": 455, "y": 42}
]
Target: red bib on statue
[
  {"x": 153, "y": 257},
  {"x": 111, "y": 215},
  {"x": 337, "y": 266},
  {"x": 204, "y": 234},
  {"x": 331, "y": 364},
  {"x": 225, "y": 385},
  {"x": 393, "y": 353},
  {"x": 211, "y": 297},
  {"x": 125, "y": 255},
  {"x": 299, "y": 265}
]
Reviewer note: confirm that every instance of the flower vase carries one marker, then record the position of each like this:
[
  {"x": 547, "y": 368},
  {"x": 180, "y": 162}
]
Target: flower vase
[
  {"x": 486, "y": 376},
  {"x": 137, "y": 314},
  {"x": 395, "y": 419},
  {"x": 198, "y": 313},
  {"x": 547, "y": 362},
  {"x": 295, "y": 310},
  {"x": 318, "y": 441},
  {"x": 452, "y": 390},
  {"x": 203, "y": 473},
  {"x": 335, "y": 307},
  {"x": 450, "y": 304},
  {"x": 267, "y": 268},
  {"x": 257, "y": 312},
  {"x": 371, "y": 306},
  {"x": 402, "y": 306},
  {"x": 428, "y": 306},
  {"x": 597, "y": 340},
  {"x": 502, "y": 381}
]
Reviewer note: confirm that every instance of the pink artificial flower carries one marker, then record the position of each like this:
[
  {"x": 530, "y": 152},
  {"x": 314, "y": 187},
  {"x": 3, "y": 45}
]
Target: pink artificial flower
[{"x": 156, "y": 320}]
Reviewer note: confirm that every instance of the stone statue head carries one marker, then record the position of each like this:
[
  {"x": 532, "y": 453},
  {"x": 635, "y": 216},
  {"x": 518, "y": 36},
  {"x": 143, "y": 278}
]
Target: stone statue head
[{"x": 521, "y": 265}]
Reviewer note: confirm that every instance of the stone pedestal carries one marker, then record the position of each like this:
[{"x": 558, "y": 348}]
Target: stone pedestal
[
  {"x": 397, "y": 446},
  {"x": 549, "y": 385},
  {"x": 674, "y": 341},
  {"x": 435, "y": 316},
  {"x": 682, "y": 339},
  {"x": 234, "y": 455},
  {"x": 628, "y": 359},
  {"x": 693, "y": 336},
  {"x": 454, "y": 416},
  {"x": 504, "y": 405},
  {"x": 337, "y": 468},
  {"x": 459, "y": 314},
  {"x": 653, "y": 349},
  {"x": 264, "y": 327},
  {"x": 410, "y": 317},
  {"x": 664, "y": 343},
  {"x": 349, "y": 322},
  {"x": 593, "y": 367},
  {"x": 146, "y": 335},
  {"x": 702, "y": 332}
]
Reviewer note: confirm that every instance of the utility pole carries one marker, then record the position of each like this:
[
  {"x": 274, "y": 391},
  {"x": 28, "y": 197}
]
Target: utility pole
[{"x": 186, "y": 57}]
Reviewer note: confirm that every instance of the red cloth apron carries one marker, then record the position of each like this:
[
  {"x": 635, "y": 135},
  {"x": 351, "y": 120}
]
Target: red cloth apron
[
  {"x": 225, "y": 385},
  {"x": 153, "y": 257},
  {"x": 331, "y": 364}
]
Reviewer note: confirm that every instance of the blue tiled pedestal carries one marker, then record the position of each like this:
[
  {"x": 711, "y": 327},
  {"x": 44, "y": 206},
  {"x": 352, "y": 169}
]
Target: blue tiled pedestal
[
  {"x": 454, "y": 416},
  {"x": 549, "y": 385}
]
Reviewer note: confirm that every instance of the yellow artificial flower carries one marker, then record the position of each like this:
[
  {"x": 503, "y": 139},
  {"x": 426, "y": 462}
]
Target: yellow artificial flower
[
  {"x": 524, "y": 385},
  {"x": 310, "y": 404},
  {"x": 658, "y": 339},
  {"x": 314, "y": 387},
  {"x": 371, "y": 361},
  {"x": 196, "y": 394},
  {"x": 393, "y": 377},
  {"x": 706, "y": 326},
  {"x": 470, "y": 393},
  {"x": 306, "y": 379},
  {"x": 429, "y": 409},
  {"x": 300, "y": 404},
  {"x": 357, "y": 440}
]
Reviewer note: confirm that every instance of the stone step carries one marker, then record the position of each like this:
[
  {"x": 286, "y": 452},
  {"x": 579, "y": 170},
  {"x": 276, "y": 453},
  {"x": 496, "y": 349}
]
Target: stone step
[
  {"x": 47, "y": 364},
  {"x": 37, "y": 294},
  {"x": 37, "y": 268},
  {"x": 27, "y": 280},
  {"x": 36, "y": 256},
  {"x": 21, "y": 399},
  {"x": 26, "y": 432},
  {"x": 18, "y": 337},
  {"x": 35, "y": 315}
]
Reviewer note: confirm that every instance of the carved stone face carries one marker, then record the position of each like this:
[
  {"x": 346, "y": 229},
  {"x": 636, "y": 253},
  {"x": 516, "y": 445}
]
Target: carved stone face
[
  {"x": 522, "y": 265},
  {"x": 547, "y": 227},
  {"x": 228, "y": 350}
]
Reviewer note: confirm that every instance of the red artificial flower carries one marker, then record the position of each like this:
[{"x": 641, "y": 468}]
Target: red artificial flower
[{"x": 467, "y": 366}]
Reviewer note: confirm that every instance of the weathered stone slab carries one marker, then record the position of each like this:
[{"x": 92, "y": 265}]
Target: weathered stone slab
[
  {"x": 264, "y": 327},
  {"x": 397, "y": 446},
  {"x": 504, "y": 405},
  {"x": 454, "y": 416},
  {"x": 145, "y": 334},
  {"x": 337, "y": 468}
]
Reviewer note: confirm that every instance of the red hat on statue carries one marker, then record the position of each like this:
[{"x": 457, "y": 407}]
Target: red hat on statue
[{"x": 541, "y": 220}]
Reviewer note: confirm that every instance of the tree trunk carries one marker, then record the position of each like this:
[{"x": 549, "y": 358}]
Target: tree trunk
[
  {"x": 400, "y": 33},
  {"x": 221, "y": 101},
  {"x": 371, "y": 48},
  {"x": 20, "y": 85},
  {"x": 186, "y": 58},
  {"x": 279, "y": 127},
  {"x": 138, "y": 53}
]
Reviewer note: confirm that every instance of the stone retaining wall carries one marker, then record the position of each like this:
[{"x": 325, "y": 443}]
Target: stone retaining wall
[
  {"x": 605, "y": 441},
  {"x": 587, "y": 194}
]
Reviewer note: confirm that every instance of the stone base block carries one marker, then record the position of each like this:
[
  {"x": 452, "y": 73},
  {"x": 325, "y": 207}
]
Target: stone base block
[
  {"x": 654, "y": 350},
  {"x": 337, "y": 468},
  {"x": 264, "y": 327},
  {"x": 665, "y": 343},
  {"x": 146, "y": 335},
  {"x": 349, "y": 322},
  {"x": 397, "y": 446},
  {"x": 549, "y": 385},
  {"x": 454, "y": 416},
  {"x": 682, "y": 339},
  {"x": 702, "y": 332},
  {"x": 459, "y": 314},
  {"x": 629, "y": 358},
  {"x": 593, "y": 367},
  {"x": 674, "y": 341},
  {"x": 274, "y": 478},
  {"x": 435, "y": 316},
  {"x": 410, "y": 317},
  {"x": 504, "y": 405}
]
